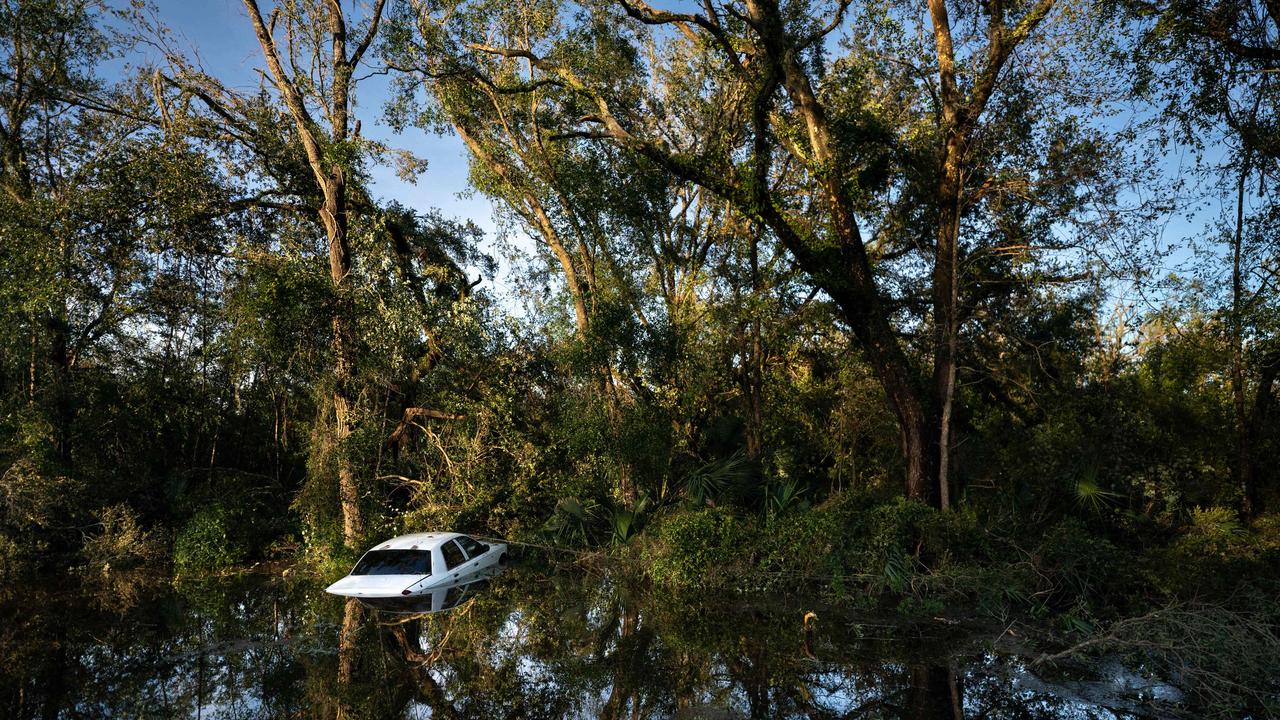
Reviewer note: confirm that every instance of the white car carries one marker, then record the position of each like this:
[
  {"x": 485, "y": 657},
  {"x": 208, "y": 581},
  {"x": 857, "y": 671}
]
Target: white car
[
  {"x": 417, "y": 564},
  {"x": 441, "y": 598}
]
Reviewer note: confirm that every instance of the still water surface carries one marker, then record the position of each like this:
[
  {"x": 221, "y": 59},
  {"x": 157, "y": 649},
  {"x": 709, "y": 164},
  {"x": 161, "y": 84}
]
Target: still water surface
[{"x": 525, "y": 644}]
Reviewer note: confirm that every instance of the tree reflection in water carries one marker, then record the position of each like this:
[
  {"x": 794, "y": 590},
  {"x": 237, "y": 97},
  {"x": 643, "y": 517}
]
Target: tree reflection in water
[{"x": 527, "y": 646}]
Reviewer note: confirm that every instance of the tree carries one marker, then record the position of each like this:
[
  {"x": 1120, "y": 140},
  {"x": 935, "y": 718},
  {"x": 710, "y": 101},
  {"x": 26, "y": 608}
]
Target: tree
[
  {"x": 323, "y": 177},
  {"x": 742, "y": 102},
  {"x": 1212, "y": 66},
  {"x": 330, "y": 161}
]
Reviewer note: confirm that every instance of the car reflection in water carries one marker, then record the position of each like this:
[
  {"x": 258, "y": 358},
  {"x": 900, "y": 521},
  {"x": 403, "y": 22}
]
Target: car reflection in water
[{"x": 440, "y": 599}]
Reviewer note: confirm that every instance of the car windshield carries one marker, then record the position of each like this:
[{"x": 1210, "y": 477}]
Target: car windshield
[{"x": 394, "y": 562}]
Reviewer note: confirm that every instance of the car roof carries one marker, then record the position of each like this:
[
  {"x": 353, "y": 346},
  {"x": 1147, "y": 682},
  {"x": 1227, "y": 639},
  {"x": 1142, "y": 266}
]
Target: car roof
[{"x": 416, "y": 541}]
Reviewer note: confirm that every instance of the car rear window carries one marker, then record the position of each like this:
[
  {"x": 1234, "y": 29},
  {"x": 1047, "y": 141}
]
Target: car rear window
[
  {"x": 394, "y": 562},
  {"x": 472, "y": 547}
]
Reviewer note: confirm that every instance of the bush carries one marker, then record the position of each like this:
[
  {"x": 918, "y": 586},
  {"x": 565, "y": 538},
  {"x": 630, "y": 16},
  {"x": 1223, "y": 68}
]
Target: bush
[
  {"x": 695, "y": 549},
  {"x": 33, "y": 500},
  {"x": 806, "y": 545},
  {"x": 121, "y": 543},
  {"x": 1078, "y": 564},
  {"x": 12, "y": 561},
  {"x": 1216, "y": 551},
  {"x": 214, "y": 539},
  {"x": 233, "y": 518}
]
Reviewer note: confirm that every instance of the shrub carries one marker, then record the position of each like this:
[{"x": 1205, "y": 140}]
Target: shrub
[
  {"x": 12, "y": 561},
  {"x": 121, "y": 543},
  {"x": 214, "y": 539},
  {"x": 1076, "y": 563},
  {"x": 31, "y": 499},
  {"x": 1216, "y": 551},
  {"x": 800, "y": 546},
  {"x": 695, "y": 549}
]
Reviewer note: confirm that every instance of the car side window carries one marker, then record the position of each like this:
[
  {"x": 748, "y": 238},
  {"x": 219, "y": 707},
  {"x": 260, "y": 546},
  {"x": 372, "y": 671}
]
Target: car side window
[
  {"x": 453, "y": 556},
  {"x": 473, "y": 547}
]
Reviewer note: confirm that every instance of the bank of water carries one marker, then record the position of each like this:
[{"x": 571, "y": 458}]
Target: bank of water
[{"x": 525, "y": 644}]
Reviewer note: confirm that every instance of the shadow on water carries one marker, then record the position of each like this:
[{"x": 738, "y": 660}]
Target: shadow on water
[{"x": 522, "y": 645}]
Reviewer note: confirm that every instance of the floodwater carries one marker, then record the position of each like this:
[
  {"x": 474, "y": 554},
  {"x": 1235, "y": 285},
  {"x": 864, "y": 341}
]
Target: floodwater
[{"x": 524, "y": 644}]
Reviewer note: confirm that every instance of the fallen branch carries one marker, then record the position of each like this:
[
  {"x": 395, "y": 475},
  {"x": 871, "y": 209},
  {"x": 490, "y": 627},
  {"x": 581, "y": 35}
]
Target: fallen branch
[{"x": 417, "y": 412}]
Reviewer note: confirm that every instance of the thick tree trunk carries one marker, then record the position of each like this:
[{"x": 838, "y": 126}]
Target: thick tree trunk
[
  {"x": 850, "y": 281},
  {"x": 343, "y": 404},
  {"x": 859, "y": 300},
  {"x": 330, "y": 177}
]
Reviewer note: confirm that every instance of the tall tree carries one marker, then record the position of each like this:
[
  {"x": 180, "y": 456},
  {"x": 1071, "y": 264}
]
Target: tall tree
[
  {"x": 740, "y": 100},
  {"x": 328, "y": 156},
  {"x": 1212, "y": 65},
  {"x": 961, "y": 117},
  {"x": 311, "y": 65}
]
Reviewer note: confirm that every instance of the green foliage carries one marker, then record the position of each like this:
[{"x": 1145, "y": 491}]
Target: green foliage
[
  {"x": 121, "y": 543},
  {"x": 712, "y": 482},
  {"x": 234, "y": 519},
  {"x": 1078, "y": 565},
  {"x": 785, "y": 496},
  {"x": 626, "y": 522},
  {"x": 696, "y": 549},
  {"x": 12, "y": 560},
  {"x": 211, "y": 540},
  {"x": 1215, "y": 552},
  {"x": 661, "y": 373},
  {"x": 572, "y": 521},
  {"x": 33, "y": 499}
]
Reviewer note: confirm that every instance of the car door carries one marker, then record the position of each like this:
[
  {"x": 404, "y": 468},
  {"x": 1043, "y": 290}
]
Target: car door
[
  {"x": 476, "y": 552},
  {"x": 455, "y": 560}
]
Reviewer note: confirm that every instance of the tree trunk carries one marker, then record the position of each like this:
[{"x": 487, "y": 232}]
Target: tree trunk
[
  {"x": 330, "y": 177},
  {"x": 946, "y": 325},
  {"x": 1244, "y": 450},
  {"x": 860, "y": 304},
  {"x": 754, "y": 367},
  {"x": 840, "y": 267},
  {"x": 334, "y": 214}
]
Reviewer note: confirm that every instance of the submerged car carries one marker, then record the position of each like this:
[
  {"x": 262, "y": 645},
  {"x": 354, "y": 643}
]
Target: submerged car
[
  {"x": 417, "y": 564},
  {"x": 440, "y": 598}
]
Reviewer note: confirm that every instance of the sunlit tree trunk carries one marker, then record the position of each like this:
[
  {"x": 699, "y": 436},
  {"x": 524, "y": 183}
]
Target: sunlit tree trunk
[{"x": 946, "y": 325}]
